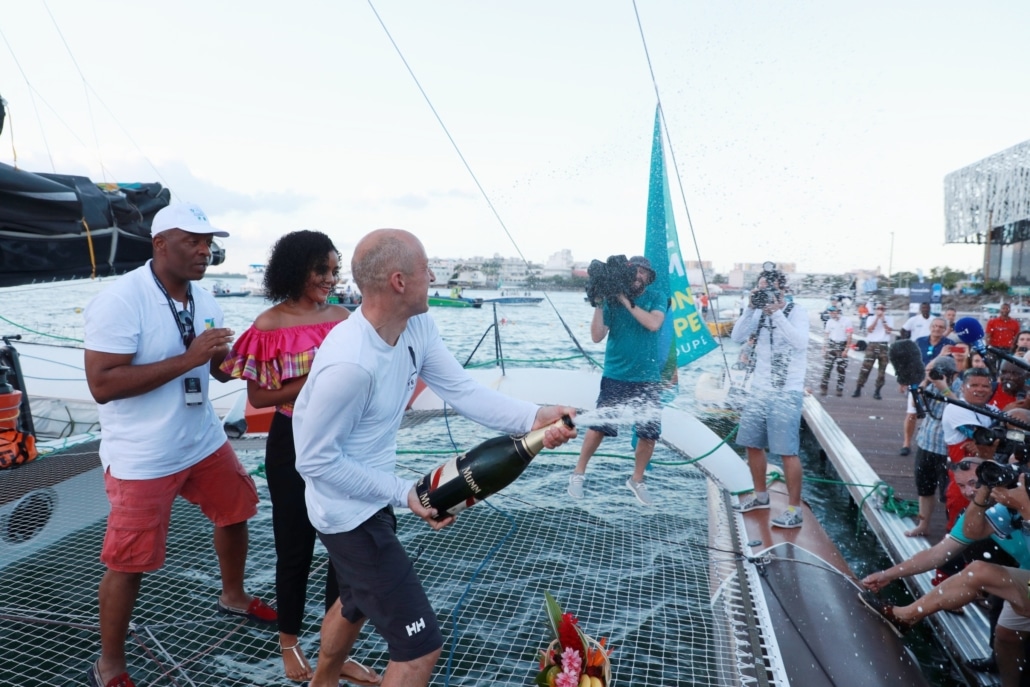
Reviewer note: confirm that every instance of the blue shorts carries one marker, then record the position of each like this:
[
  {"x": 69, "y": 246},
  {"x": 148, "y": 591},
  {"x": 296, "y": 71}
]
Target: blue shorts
[
  {"x": 378, "y": 581},
  {"x": 643, "y": 398},
  {"x": 772, "y": 420}
]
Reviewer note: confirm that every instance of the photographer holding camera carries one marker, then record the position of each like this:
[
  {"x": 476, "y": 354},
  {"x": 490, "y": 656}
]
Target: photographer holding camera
[
  {"x": 771, "y": 419},
  {"x": 629, "y": 310},
  {"x": 960, "y": 429}
]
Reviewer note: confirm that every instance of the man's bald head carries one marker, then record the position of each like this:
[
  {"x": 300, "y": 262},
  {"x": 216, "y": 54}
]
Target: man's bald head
[{"x": 381, "y": 253}]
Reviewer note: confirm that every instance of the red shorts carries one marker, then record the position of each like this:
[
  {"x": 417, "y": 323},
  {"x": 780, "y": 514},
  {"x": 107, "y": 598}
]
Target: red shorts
[{"x": 137, "y": 527}]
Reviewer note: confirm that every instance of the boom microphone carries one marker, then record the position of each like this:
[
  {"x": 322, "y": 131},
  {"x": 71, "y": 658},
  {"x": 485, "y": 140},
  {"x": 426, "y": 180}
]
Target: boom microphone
[{"x": 909, "y": 370}]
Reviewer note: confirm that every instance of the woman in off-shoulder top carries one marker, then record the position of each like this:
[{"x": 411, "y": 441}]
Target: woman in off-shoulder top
[{"x": 274, "y": 355}]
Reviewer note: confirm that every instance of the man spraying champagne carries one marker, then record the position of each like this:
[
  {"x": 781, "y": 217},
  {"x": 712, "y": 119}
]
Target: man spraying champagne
[{"x": 345, "y": 425}]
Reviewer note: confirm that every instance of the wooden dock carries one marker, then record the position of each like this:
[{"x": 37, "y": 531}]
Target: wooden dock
[
  {"x": 874, "y": 427},
  {"x": 862, "y": 438}
]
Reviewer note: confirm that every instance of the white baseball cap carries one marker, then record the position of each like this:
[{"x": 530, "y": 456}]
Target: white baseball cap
[{"x": 185, "y": 216}]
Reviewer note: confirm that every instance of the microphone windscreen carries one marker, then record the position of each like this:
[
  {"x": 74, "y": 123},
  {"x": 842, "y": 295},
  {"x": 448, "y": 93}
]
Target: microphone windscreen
[
  {"x": 908, "y": 363},
  {"x": 969, "y": 330}
]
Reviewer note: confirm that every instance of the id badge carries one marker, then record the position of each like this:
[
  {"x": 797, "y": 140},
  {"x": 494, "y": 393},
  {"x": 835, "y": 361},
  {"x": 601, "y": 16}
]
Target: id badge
[{"x": 194, "y": 396}]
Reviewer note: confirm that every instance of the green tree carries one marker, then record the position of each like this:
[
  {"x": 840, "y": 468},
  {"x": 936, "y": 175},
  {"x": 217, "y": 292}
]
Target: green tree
[
  {"x": 491, "y": 268},
  {"x": 903, "y": 278},
  {"x": 999, "y": 287},
  {"x": 946, "y": 276}
]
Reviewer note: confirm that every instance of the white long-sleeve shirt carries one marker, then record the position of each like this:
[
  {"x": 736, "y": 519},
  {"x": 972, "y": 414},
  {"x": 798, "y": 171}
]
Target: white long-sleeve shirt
[
  {"x": 346, "y": 417},
  {"x": 782, "y": 335}
]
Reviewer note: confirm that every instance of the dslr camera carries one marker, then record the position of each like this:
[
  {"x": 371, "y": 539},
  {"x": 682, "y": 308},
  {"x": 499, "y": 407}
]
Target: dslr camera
[
  {"x": 1010, "y": 442},
  {"x": 771, "y": 292},
  {"x": 606, "y": 280}
]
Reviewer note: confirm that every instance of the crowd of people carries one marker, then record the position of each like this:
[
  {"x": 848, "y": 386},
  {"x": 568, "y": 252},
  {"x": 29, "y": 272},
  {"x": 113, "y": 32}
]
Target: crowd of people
[
  {"x": 153, "y": 342},
  {"x": 969, "y": 409}
]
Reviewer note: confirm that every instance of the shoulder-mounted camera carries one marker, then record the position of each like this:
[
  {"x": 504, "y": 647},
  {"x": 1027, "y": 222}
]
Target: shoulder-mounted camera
[{"x": 606, "y": 280}]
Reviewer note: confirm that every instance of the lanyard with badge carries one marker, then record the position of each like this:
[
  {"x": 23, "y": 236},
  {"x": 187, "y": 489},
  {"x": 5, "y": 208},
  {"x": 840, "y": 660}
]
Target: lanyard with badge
[{"x": 184, "y": 323}]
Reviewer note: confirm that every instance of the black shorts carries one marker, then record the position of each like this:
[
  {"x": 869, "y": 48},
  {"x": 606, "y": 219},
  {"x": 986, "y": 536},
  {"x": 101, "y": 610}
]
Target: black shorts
[
  {"x": 378, "y": 582},
  {"x": 642, "y": 398},
  {"x": 931, "y": 473}
]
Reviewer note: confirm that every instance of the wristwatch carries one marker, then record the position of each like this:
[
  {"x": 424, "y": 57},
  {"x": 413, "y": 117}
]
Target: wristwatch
[{"x": 1024, "y": 525}]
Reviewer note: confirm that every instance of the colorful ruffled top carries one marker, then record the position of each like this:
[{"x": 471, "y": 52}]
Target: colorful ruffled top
[{"x": 272, "y": 357}]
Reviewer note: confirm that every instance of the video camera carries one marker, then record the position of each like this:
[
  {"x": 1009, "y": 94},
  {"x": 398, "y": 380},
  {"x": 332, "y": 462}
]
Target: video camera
[
  {"x": 606, "y": 280},
  {"x": 774, "y": 283}
]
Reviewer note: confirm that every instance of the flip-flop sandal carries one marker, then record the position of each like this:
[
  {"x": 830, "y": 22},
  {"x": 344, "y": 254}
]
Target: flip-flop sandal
[
  {"x": 298, "y": 655},
  {"x": 368, "y": 677}
]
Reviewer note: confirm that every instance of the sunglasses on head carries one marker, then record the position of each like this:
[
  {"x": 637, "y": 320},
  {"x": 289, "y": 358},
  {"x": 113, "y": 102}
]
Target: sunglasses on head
[{"x": 187, "y": 321}]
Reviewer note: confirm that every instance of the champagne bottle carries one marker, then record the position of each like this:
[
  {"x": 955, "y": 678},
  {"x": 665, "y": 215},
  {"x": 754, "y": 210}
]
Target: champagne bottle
[{"x": 481, "y": 471}]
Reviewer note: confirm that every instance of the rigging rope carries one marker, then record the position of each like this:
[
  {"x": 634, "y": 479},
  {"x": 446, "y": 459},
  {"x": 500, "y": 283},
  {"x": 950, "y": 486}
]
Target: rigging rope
[
  {"x": 679, "y": 179},
  {"x": 468, "y": 168}
]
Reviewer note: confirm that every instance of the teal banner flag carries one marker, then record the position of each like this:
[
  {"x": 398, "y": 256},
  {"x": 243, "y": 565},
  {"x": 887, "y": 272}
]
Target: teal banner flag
[{"x": 684, "y": 332}]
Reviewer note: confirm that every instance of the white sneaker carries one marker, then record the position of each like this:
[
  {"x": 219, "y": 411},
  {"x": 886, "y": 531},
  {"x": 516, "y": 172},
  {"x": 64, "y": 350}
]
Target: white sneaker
[
  {"x": 576, "y": 481},
  {"x": 639, "y": 490},
  {"x": 751, "y": 503},
  {"x": 790, "y": 519}
]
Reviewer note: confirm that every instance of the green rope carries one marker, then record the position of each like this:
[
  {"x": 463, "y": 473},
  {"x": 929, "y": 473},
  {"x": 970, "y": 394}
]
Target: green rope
[
  {"x": 903, "y": 508},
  {"x": 52, "y": 336}
]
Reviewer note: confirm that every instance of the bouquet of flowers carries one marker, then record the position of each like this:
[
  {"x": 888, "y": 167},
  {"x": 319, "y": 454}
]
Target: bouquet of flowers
[{"x": 572, "y": 659}]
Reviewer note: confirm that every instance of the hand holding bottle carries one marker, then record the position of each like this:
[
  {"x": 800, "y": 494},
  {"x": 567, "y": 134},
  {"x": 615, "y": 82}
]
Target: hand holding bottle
[
  {"x": 467, "y": 479},
  {"x": 430, "y": 515},
  {"x": 559, "y": 433}
]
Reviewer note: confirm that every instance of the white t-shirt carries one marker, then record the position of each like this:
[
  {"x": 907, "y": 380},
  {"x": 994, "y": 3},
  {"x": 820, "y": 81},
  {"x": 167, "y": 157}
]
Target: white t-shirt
[
  {"x": 954, "y": 417},
  {"x": 155, "y": 434},
  {"x": 918, "y": 325},
  {"x": 789, "y": 340},
  {"x": 347, "y": 415},
  {"x": 878, "y": 333},
  {"x": 838, "y": 330}
]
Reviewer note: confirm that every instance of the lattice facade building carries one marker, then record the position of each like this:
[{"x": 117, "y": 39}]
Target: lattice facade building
[{"x": 988, "y": 203}]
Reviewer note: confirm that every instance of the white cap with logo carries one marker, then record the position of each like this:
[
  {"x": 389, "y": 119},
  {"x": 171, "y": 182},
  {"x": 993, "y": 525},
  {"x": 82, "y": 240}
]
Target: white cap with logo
[{"x": 185, "y": 216}]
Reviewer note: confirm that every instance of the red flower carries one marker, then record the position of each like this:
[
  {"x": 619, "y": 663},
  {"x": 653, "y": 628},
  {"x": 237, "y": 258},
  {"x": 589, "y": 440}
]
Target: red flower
[{"x": 567, "y": 634}]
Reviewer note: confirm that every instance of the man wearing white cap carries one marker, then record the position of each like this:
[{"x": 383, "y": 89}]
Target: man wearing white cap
[{"x": 152, "y": 342}]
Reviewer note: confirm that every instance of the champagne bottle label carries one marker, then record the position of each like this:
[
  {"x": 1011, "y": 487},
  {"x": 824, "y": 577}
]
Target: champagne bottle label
[{"x": 469, "y": 478}]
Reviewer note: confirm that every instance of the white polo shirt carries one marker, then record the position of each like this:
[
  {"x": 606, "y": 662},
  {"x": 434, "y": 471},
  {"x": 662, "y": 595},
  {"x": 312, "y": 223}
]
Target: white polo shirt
[{"x": 154, "y": 434}]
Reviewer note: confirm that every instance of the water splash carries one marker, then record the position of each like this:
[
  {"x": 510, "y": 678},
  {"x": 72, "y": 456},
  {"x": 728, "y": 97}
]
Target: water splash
[{"x": 622, "y": 415}]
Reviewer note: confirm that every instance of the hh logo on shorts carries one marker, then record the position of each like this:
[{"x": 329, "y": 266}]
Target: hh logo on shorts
[{"x": 416, "y": 626}]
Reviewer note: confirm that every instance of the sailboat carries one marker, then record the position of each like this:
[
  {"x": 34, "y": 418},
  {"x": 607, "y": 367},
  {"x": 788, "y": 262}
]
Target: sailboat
[{"x": 724, "y": 608}]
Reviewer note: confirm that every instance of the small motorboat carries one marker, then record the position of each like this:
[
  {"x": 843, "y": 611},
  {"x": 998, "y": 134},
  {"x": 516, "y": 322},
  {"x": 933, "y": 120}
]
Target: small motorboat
[{"x": 221, "y": 289}]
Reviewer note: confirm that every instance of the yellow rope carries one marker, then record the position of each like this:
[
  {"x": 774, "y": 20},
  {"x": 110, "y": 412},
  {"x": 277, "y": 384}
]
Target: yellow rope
[{"x": 92, "y": 255}]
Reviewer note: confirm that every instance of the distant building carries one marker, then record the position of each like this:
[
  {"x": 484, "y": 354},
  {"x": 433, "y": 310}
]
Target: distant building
[
  {"x": 559, "y": 264},
  {"x": 988, "y": 203},
  {"x": 698, "y": 273},
  {"x": 479, "y": 272}
]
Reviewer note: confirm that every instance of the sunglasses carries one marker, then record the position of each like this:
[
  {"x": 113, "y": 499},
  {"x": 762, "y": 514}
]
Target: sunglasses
[
  {"x": 187, "y": 321},
  {"x": 965, "y": 465}
]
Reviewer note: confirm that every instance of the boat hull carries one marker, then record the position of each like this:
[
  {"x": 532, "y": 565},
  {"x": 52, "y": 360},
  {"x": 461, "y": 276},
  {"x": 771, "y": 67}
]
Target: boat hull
[{"x": 448, "y": 302}]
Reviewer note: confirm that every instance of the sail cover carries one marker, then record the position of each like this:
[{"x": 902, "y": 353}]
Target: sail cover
[{"x": 61, "y": 204}]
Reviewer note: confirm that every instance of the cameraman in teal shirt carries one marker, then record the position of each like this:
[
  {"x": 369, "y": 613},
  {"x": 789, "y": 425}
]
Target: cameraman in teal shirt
[{"x": 632, "y": 373}]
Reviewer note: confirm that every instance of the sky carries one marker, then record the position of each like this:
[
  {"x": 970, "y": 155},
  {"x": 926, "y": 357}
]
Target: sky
[{"x": 817, "y": 133}]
